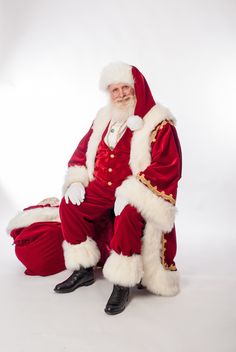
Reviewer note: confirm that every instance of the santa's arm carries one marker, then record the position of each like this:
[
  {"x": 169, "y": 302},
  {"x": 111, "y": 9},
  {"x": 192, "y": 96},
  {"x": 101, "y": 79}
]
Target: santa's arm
[
  {"x": 153, "y": 190},
  {"x": 77, "y": 170}
]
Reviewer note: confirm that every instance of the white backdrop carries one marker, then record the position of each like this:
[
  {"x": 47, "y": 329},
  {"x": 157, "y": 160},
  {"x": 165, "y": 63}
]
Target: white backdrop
[{"x": 52, "y": 53}]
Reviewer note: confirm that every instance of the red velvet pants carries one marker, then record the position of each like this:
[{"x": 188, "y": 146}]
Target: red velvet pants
[{"x": 80, "y": 221}]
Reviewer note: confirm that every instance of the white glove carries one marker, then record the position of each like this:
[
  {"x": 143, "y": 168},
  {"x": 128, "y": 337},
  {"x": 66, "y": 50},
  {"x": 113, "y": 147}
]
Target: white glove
[
  {"x": 119, "y": 205},
  {"x": 75, "y": 193}
]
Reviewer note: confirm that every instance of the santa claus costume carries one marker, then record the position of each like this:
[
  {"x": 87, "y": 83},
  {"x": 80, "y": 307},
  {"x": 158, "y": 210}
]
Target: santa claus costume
[
  {"x": 37, "y": 235},
  {"x": 142, "y": 171}
]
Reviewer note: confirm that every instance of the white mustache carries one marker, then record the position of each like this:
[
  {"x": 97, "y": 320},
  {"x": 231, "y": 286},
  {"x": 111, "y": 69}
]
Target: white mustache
[{"x": 124, "y": 99}]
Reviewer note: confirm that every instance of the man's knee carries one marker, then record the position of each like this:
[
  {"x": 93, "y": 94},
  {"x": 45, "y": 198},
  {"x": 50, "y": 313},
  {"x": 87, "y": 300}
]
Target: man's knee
[
  {"x": 131, "y": 215},
  {"x": 67, "y": 208},
  {"x": 130, "y": 212}
]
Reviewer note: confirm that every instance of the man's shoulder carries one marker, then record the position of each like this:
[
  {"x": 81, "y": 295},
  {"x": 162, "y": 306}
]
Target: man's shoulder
[
  {"x": 159, "y": 116},
  {"x": 164, "y": 126},
  {"x": 102, "y": 116}
]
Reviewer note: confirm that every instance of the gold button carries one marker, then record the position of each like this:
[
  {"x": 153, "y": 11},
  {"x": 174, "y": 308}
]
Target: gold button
[
  {"x": 112, "y": 155},
  {"x": 110, "y": 169},
  {"x": 109, "y": 183}
]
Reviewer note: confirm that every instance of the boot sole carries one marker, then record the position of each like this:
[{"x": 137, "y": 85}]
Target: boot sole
[
  {"x": 67, "y": 290},
  {"x": 117, "y": 311}
]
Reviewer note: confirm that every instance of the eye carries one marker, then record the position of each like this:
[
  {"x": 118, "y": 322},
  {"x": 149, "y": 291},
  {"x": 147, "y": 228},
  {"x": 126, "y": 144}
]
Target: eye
[{"x": 114, "y": 90}]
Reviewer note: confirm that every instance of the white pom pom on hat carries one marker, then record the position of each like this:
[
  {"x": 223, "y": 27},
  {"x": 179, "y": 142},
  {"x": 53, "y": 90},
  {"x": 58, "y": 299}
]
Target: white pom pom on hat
[
  {"x": 116, "y": 72},
  {"x": 135, "y": 122}
]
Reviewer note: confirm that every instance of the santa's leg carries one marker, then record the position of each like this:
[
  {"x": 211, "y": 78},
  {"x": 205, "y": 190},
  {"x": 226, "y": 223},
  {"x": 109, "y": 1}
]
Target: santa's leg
[
  {"x": 81, "y": 251},
  {"x": 124, "y": 265}
]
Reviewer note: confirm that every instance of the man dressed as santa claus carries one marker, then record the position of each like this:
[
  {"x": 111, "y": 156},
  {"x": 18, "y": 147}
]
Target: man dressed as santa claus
[{"x": 120, "y": 193}]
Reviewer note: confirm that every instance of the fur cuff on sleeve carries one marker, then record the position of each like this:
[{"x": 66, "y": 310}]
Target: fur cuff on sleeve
[
  {"x": 75, "y": 174},
  {"x": 152, "y": 207}
]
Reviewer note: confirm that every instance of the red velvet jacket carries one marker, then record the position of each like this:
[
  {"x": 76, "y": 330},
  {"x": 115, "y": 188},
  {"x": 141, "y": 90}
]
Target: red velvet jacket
[{"x": 161, "y": 176}]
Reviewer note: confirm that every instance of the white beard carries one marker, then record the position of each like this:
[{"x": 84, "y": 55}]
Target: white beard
[{"x": 121, "y": 112}]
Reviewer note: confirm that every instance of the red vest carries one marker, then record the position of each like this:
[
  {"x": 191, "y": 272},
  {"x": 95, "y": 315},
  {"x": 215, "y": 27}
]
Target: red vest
[{"x": 112, "y": 165}]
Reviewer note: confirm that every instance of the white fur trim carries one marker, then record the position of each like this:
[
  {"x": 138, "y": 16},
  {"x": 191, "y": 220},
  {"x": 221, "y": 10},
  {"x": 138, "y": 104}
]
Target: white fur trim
[
  {"x": 85, "y": 253},
  {"x": 28, "y": 217},
  {"x": 75, "y": 174},
  {"x": 123, "y": 270},
  {"x": 135, "y": 122},
  {"x": 152, "y": 207},
  {"x": 156, "y": 278},
  {"x": 100, "y": 122},
  {"x": 164, "y": 283},
  {"x": 116, "y": 72},
  {"x": 140, "y": 155}
]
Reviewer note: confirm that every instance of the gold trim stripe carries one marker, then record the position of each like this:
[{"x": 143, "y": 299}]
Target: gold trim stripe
[
  {"x": 159, "y": 127},
  {"x": 162, "y": 194},
  {"x": 171, "y": 267}
]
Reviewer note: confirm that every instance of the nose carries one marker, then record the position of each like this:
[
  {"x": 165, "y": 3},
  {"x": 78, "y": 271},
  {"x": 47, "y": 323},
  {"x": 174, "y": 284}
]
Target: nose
[{"x": 121, "y": 93}]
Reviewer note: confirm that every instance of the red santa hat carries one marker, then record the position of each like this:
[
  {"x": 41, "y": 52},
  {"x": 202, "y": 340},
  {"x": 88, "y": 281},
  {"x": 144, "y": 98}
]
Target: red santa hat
[{"x": 121, "y": 72}]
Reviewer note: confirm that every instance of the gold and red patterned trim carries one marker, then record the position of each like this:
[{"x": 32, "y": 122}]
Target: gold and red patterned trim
[
  {"x": 171, "y": 267},
  {"x": 168, "y": 197},
  {"x": 159, "y": 127}
]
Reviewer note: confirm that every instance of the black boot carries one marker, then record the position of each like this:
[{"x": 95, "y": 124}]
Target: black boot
[
  {"x": 118, "y": 299},
  {"x": 81, "y": 277},
  {"x": 140, "y": 286}
]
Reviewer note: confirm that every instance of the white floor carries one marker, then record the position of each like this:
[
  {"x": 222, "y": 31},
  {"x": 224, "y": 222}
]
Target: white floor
[{"x": 201, "y": 318}]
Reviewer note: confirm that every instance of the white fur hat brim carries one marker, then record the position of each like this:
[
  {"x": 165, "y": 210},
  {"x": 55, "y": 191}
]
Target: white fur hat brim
[{"x": 116, "y": 72}]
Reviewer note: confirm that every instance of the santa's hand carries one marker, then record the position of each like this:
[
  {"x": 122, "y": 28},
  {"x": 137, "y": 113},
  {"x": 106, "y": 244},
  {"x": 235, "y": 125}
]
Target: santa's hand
[
  {"x": 75, "y": 193},
  {"x": 120, "y": 204}
]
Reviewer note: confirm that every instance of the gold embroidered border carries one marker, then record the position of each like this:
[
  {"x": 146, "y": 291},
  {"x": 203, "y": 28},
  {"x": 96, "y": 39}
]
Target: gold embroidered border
[
  {"x": 159, "y": 127},
  {"x": 171, "y": 267},
  {"x": 155, "y": 190}
]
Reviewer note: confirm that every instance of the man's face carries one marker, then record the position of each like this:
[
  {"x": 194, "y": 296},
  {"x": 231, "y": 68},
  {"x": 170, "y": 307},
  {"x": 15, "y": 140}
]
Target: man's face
[{"x": 121, "y": 93}]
